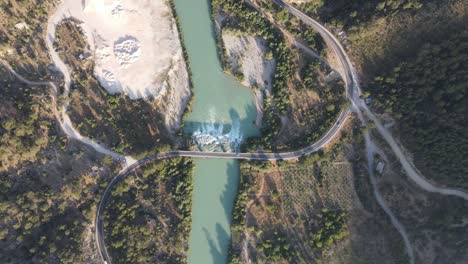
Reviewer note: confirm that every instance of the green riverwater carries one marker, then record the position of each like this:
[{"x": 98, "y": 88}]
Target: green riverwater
[{"x": 221, "y": 99}]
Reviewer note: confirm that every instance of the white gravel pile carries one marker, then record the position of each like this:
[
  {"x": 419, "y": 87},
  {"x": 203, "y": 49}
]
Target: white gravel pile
[{"x": 136, "y": 44}]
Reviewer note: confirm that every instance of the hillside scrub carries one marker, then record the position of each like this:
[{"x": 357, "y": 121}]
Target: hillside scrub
[
  {"x": 48, "y": 186},
  {"x": 148, "y": 216},
  {"x": 345, "y": 14},
  {"x": 22, "y": 31},
  {"x": 428, "y": 95},
  {"x": 380, "y": 33},
  {"x": 26, "y": 121},
  {"x": 294, "y": 71}
]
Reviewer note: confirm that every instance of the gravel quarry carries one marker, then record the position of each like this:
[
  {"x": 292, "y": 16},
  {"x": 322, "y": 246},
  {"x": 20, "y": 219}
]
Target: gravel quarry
[{"x": 135, "y": 44}]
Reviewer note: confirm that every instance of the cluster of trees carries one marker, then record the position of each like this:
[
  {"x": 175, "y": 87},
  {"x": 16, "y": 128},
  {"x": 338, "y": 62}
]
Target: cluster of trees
[
  {"x": 344, "y": 14},
  {"x": 330, "y": 228},
  {"x": 148, "y": 217},
  {"x": 40, "y": 229},
  {"x": 25, "y": 124},
  {"x": 324, "y": 113},
  {"x": 45, "y": 204},
  {"x": 45, "y": 217},
  {"x": 247, "y": 184},
  {"x": 244, "y": 19},
  {"x": 295, "y": 26},
  {"x": 277, "y": 249},
  {"x": 27, "y": 43},
  {"x": 428, "y": 95}
]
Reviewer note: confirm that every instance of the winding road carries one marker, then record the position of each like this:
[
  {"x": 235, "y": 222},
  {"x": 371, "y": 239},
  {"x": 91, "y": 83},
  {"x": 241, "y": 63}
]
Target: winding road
[
  {"x": 353, "y": 93},
  {"x": 335, "y": 129}
]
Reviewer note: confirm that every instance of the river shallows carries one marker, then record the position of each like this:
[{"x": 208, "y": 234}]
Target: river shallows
[{"x": 219, "y": 99}]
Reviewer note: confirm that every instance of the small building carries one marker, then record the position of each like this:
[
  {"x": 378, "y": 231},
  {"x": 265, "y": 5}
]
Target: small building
[{"x": 368, "y": 100}]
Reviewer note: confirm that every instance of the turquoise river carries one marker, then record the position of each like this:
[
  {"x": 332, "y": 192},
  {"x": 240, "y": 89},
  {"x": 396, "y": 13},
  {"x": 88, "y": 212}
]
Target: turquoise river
[{"x": 219, "y": 99}]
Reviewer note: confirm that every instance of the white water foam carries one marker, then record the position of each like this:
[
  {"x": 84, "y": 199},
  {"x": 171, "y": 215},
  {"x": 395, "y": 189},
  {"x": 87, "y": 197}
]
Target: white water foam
[{"x": 212, "y": 136}]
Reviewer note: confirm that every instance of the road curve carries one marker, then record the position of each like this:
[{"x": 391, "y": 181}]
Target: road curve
[
  {"x": 99, "y": 230},
  {"x": 354, "y": 95},
  {"x": 65, "y": 122}
]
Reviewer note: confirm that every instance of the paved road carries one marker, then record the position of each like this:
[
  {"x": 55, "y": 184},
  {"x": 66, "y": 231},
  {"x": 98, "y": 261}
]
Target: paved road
[
  {"x": 352, "y": 94},
  {"x": 331, "y": 41},
  {"x": 212, "y": 155},
  {"x": 354, "y": 97}
]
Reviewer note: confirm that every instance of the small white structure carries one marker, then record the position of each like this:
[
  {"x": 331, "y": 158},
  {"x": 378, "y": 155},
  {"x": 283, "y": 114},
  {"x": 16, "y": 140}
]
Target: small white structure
[
  {"x": 380, "y": 167},
  {"x": 22, "y": 26}
]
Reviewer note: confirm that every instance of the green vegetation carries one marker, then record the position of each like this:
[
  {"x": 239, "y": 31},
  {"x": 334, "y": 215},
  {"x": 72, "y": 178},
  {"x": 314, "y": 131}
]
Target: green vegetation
[
  {"x": 134, "y": 127},
  {"x": 23, "y": 47},
  {"x": 315, "y": 210},
  {"x": 47, "y": 221},
  {"x": 331, "y": 228},
  {"x": 274, "y": 243},
  {"x": 148, "y": 216},
  {"x": 305, "y": 121},
  {"x": 266, "y": 209},
  {"x": 26, "y": 122},
  {"x": 246, "y": 186},
  {"x": 345, "y": 14},
  {"x": 277, "y": 249},
  {"x": 428, "y": 95},
  {"x": 48, "y": 187},
  {"x": 242, "y": 19},
  {"x": 296, "y": 27}
]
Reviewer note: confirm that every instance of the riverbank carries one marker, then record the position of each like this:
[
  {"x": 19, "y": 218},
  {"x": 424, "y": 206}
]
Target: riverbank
[{"x": 222, "y": 107}]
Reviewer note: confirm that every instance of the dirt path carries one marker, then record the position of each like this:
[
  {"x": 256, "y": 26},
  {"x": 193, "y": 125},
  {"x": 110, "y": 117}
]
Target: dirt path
[
  {"x": 245, "y": 245},
  {"x": 65, "y": 122}
]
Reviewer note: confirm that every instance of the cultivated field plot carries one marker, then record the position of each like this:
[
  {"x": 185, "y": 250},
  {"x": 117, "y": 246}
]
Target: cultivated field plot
[
  {"x": 307, "y": 189},
  {"x": 309, "y": 214}
]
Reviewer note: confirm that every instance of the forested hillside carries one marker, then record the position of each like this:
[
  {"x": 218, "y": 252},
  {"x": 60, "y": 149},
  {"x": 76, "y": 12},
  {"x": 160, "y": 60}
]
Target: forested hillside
[
  {"x": 345, "y": 14},
  {"x": 428, "y": 96},
  {"x": 378, "y": 33},
  {"x": 148, "y": 218}
]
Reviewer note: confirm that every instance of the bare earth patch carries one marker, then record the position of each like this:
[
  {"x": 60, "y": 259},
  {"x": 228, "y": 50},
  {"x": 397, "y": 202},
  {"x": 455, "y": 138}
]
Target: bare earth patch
[
  {"x": 136, "y": 49},
  {"x": 248, "y": 58}
]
